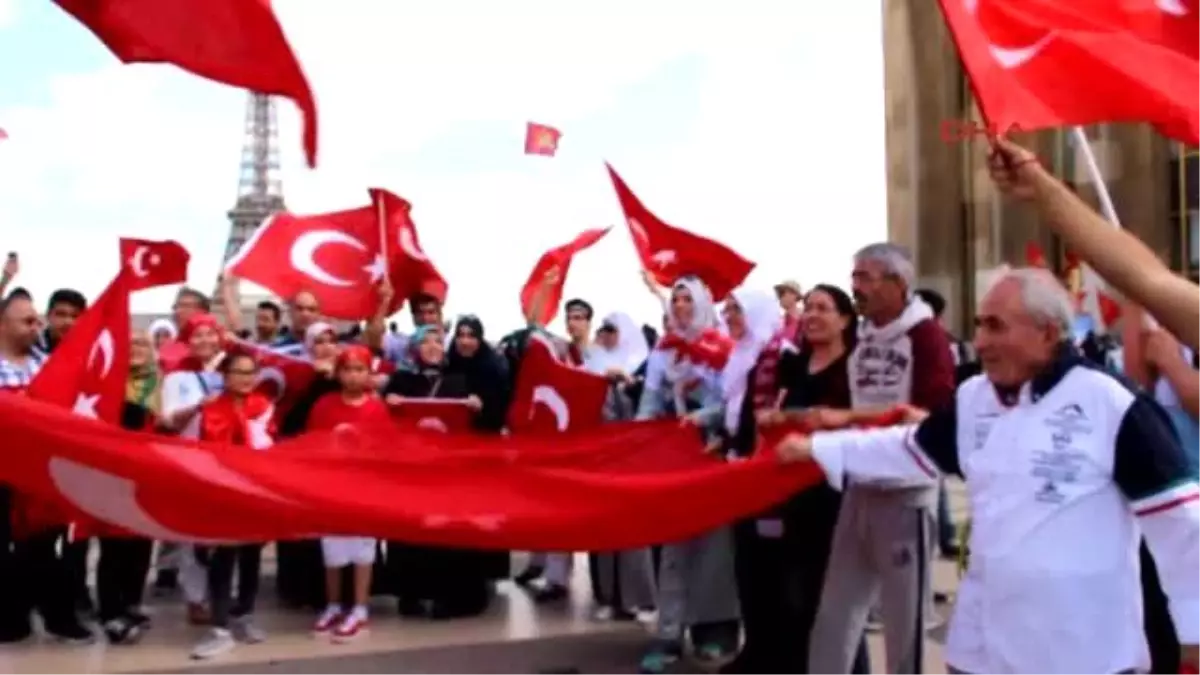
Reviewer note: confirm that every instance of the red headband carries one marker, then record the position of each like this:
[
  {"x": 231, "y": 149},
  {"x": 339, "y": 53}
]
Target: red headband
[
  {"x": 196, "y": 322},
  {"x": 354, "y": 354}
]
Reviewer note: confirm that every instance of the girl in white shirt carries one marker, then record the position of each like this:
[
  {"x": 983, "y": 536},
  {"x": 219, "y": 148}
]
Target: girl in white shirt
[{"x": 184, "y": 391}]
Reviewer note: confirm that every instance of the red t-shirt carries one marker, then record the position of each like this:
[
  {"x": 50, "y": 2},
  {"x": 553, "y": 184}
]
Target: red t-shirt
[{"x": 332, "y": 411}]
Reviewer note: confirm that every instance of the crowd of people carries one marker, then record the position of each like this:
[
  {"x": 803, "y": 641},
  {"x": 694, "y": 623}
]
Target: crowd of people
[{"x": 1053, "y": 582}]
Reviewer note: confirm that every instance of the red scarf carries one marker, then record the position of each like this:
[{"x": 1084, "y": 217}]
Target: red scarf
[
  {"x": 711, "y": 348},
  {"x": 224, "y": 421}
]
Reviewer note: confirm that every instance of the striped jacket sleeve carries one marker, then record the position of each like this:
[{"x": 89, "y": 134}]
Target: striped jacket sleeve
[
  {"x": 1152, "y": 470},
  {"x": 915, "y": 454}
]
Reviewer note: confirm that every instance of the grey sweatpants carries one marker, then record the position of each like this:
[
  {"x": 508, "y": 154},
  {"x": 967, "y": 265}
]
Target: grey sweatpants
[
  {"x": 629, "y": 574},
  {"x": 882, "y": 547},
  {"x": 696, "y": 583}
]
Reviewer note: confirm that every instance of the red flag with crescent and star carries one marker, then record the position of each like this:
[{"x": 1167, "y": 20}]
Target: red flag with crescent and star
[
  {"x": 88, "y": 369},
  {"x": 669, "y": 253},
  {"x": 541, "y": 139},
  {"x": 409, "y": 267},
  {"x": 551, "y": 396},
  {"x": 86, "y": 374},
  {"x": 559, "y": 257},
  {"x": 1039, "y": 64},
  {"x": 237, "y": 42},
  {"x": 341, "y": 257},
  {"x": 154, "y": 263}
]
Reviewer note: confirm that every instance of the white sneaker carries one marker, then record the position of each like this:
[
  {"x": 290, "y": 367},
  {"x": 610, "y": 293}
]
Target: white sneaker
[
  {"x": 603, "y": 613},
  {"x": 217, "y": 642},
  {"x": 246, "y": 631},
  {"x": 328, "y": 620},
  {"x": 646, "y": 617}
]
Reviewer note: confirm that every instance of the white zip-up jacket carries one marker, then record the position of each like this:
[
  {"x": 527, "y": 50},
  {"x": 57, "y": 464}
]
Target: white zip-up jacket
[{"x": 1062, "y": 486}]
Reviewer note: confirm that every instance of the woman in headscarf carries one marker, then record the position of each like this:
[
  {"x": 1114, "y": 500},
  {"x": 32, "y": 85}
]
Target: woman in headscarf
[
  {"x": 624, "y": 585},
  {"x": 486, "y": 376},
  {"x": 695, "y": 580},
  {"x": 160, "y": 332},
  {"x": 184, "y": 392},
  {"x": 815, "y": 375},
  {"x": 300, "y": 576},
  {"x": 435, "y": 582},
  {"x": 125, "y": 561},
  {"x": 753, "y": 321},
  {"x": 483, "y": 369}
]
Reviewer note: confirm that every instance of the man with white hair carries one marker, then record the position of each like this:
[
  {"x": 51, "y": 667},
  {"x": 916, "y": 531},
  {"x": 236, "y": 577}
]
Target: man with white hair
[
  {"x": 883, "y": 541},
  {"x": 1066, "y": 469}
]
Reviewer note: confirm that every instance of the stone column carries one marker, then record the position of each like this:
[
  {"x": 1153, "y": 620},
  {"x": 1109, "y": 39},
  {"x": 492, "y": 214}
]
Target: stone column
[{"x": 925, "y": 177}]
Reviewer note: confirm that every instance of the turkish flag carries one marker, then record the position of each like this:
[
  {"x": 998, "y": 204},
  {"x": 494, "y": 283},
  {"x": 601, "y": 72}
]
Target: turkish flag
[
  {"x": 236, "y": 42},
  {"x": 670, "y": 253},
  {"x": 711, "y": 348},
  {"x": 551, "y": 396},
  {"x": 154, "y": 263},
  {"x": 594, "y": 489},
  {"x": 1038, "y": 64},
  {"x": 86, "y": 374},
  {"x": 282, "y": 379},
  {"x": 88, "y": 369},
  {"x": 410, "y": 269},
  {"x": 541, "y": 139},
  {"x": 337, "y": 256},
  {"x": 444, "y": 415},
  {"x": 559, "y": 257}
]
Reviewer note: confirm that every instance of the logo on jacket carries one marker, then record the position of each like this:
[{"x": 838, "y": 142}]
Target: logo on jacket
[{"x": 1069, "y": 419}]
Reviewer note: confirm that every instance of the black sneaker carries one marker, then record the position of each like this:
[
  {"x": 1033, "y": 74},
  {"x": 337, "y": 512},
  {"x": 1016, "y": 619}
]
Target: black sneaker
[
  {"x": 531, "y": 574},
  {"x": 122, "y": 631},
  {"x": 550, "y": 593},
  {"x": 12, "y": 635},
  {"x": 73, "y": 633}
]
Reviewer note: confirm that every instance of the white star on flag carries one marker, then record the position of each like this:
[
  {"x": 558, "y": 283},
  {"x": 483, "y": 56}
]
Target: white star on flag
[
  {"x": 377, "y": 268},
  {"x": 85, "y": 405}
]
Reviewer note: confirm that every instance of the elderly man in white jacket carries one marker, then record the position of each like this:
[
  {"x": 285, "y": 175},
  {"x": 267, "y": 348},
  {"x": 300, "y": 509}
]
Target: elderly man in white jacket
[{"x": 1066, "y": 469}]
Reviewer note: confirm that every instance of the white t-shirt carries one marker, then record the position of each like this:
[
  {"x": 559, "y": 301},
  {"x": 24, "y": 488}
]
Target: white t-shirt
[{"x": 186, "y": 388}]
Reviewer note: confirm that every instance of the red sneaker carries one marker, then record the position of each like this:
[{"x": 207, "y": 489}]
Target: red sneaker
[
  {"x": 353, "y": 625},
  {"x": 331, "y": 617}
]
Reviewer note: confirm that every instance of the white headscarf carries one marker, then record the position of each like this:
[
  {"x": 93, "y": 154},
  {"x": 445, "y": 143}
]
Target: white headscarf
[
  {"x": 162, "y": 326},
  {"x": 704, "y": 317},
  {"x": 628, "y": 355},
  {"x": 763, "y": 318},
  {"x": 314, "y": 331}
]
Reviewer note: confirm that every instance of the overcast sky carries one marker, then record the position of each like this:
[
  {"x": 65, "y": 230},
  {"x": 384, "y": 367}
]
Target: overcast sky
[{"x": 760, "y": 124}]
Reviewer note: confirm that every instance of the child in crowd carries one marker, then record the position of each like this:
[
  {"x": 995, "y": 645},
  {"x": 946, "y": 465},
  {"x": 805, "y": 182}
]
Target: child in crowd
[
  {"x": 354, "y": 405},
  {"x": 239, "y": 416}
]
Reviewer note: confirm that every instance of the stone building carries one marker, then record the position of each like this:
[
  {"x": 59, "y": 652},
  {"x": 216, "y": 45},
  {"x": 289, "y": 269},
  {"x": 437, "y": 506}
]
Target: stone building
[{"x": 941, "y": 203}]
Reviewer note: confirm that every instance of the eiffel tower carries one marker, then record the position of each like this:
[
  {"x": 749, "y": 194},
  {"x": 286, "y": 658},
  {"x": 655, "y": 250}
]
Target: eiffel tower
[{"x": 260, "y": 187}]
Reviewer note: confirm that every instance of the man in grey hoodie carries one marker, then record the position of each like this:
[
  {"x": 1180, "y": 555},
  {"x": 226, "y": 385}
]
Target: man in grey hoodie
[{"x": 883, "y": 541}]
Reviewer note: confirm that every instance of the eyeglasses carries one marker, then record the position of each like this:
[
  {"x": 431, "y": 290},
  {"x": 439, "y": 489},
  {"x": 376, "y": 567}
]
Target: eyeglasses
[{"x": 244, "y": 372}]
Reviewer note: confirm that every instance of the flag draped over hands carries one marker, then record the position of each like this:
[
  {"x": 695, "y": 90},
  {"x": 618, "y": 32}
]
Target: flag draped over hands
[{"x": 632, "y": 485}]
